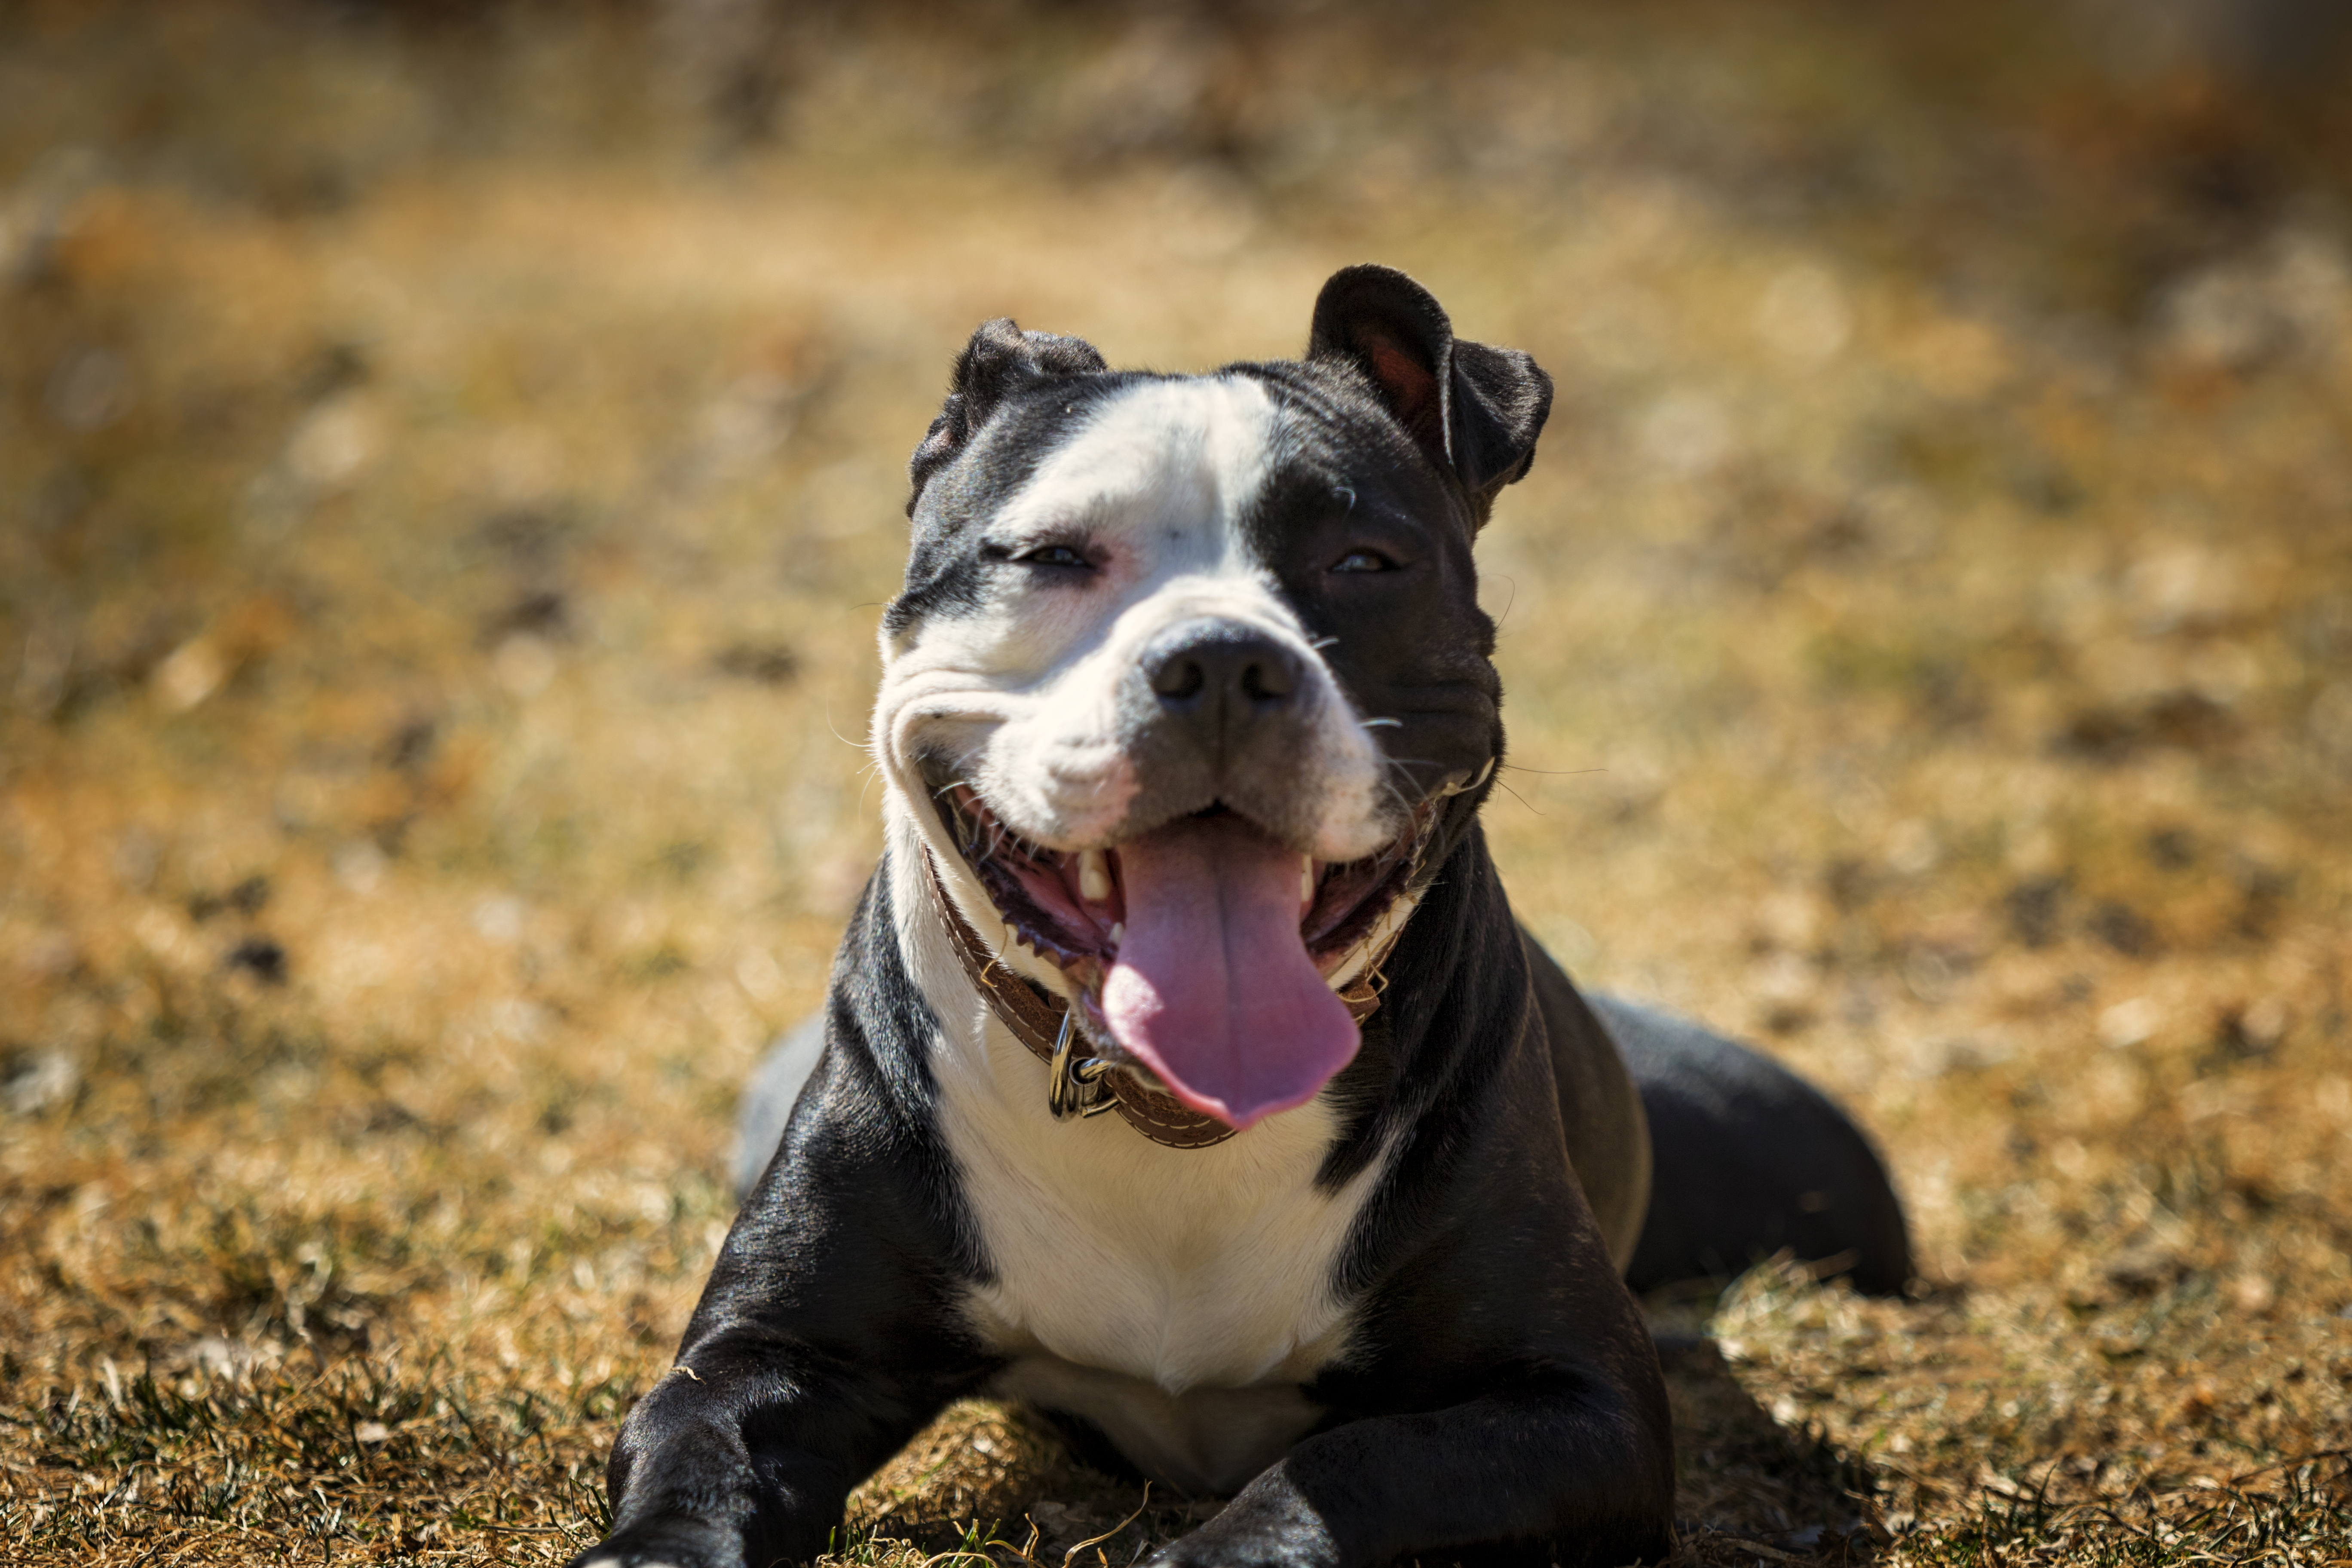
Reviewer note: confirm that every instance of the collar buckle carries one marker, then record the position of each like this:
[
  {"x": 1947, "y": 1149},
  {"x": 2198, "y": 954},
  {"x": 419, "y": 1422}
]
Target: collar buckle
[{"x": 1076, "y": 1086}]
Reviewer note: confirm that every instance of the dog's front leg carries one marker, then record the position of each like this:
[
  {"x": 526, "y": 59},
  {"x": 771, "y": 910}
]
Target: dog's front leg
[
  {"x": 1564, "y": 1469},
  {"x": 827, "y": 1335},
  {"x": 744, "y": 1456}
]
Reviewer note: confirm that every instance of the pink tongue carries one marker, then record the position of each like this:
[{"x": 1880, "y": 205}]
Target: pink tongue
[{"x": 1213, "y": 989}]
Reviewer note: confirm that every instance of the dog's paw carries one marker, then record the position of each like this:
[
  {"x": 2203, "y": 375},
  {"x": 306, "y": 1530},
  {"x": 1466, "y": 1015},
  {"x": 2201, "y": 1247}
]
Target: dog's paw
[
  {"x": 1271, "y": 1530},
  {"x": 1248, "y": 1552},
  {"x": 607, "y": 1556},
  {"x": 656, "y": 1545}
]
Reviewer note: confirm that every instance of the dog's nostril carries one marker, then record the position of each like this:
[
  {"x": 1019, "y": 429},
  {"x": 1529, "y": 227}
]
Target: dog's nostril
[
  {"x": 1180, "y": 679},
  {"x": 1267, "y": 680}
]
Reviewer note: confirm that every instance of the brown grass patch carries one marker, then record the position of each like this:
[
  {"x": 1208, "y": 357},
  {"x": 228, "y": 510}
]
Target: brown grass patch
[{"x": 449, "y": 486}]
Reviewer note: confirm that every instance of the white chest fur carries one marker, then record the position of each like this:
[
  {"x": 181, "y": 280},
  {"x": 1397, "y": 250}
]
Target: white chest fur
[
  {"x": 1175, "y": 1297},
  {"x": 1180, "y": 1267}
]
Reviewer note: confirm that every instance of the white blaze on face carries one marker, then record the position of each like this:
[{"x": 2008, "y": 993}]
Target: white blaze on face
[{"x": 1023, "y": 693}]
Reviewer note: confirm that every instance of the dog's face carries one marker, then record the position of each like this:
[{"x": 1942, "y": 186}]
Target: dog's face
[{"x": 1186, "y": 666}]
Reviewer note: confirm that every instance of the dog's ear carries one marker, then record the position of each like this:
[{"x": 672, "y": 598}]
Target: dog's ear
[
  {"x": 1000, "y": 357},
  {"x": 1475, "y": 410}
]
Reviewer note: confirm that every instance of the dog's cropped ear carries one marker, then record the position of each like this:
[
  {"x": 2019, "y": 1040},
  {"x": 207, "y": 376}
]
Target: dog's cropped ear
[
  {"x": 1000, "y": 357},
  {"x": 1475, "y": 410}
]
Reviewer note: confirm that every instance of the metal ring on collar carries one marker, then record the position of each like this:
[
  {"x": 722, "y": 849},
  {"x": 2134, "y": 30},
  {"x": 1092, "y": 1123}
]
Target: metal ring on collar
[{"x": 1074, "y": 1086}]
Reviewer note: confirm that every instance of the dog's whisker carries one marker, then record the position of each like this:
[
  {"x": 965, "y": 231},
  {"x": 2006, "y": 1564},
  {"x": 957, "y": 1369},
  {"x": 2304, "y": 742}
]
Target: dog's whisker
[
  {"x": 1424, "y": 793},
  {"x": 837, "y": 735},
  {"x": 1398, "y": 795},
  {"x": 1517, "y": 796}
]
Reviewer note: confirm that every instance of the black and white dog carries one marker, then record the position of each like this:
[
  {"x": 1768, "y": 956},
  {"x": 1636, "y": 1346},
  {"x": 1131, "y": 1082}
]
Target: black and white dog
[{"x": 1186, "y": 715}]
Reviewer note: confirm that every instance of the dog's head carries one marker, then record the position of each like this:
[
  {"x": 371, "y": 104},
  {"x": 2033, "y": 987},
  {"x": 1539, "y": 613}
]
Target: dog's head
[{"x": 1188, "y": 670}]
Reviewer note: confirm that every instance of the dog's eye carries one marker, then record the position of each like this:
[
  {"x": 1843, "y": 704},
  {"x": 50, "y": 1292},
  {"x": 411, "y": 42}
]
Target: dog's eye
[
  {"x": 1364, "y": 560},
  {"x": 1053, "y": 555}
]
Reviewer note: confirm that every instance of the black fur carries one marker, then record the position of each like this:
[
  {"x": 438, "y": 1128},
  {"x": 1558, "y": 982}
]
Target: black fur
[{"x": 1477, "y": 410}]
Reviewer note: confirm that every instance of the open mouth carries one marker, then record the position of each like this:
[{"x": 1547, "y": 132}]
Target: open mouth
[{"x": 1200, "y": 950}]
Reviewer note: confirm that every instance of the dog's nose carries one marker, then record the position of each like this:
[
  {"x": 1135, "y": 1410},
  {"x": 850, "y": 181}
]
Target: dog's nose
[{"x": 1219, "y": 678}]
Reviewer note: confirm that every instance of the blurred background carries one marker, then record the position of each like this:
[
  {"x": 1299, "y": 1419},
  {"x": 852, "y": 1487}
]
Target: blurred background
[{"x": 452, "y": 464}]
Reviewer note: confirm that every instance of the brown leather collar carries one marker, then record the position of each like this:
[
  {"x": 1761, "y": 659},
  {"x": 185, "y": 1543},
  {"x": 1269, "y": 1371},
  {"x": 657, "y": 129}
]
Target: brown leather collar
[{"x": 1036, "y": 1018}]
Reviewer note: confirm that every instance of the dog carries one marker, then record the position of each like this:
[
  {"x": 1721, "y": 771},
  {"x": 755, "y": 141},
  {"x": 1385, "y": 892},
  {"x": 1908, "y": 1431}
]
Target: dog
[{"x": 1184, "y": 1074}]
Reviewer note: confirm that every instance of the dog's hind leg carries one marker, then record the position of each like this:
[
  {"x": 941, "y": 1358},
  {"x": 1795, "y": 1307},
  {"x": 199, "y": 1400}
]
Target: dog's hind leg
[
  {"x": 768, "y": 1099},
  {"x": 1749, "y": 1159}
]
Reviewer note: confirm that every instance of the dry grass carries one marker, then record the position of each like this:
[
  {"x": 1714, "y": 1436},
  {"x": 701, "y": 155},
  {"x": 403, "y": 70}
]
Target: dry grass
[{"x": 446, "y": 507}]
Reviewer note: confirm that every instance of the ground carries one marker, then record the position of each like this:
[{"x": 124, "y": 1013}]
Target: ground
[{"x": 451, "y": 463}]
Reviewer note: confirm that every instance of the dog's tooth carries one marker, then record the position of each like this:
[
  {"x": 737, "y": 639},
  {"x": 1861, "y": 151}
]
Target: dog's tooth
[
  {"x": 1306, "y": 879},
  {"x": 1094, "y": 876},
  {"x": 1118, "y": 932}
]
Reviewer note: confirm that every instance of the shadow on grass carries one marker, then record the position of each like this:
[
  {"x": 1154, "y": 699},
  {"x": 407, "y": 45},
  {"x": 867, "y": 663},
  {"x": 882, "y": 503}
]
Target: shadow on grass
[
  {"x": 1748, "y": 1487},
  {"x": 1008, "y": 1484}
]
